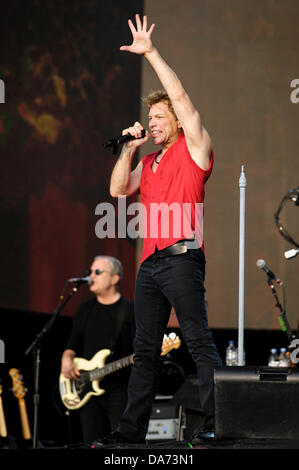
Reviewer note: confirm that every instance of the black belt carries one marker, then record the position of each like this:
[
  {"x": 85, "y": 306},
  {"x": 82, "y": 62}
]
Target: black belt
[{"x": 177, "y": 249}]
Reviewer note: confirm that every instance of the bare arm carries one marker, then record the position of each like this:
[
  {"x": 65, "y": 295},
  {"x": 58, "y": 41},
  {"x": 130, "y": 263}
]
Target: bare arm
[
  {"x": 197, "y": 138},
  {"x": 125, "y": 182}
]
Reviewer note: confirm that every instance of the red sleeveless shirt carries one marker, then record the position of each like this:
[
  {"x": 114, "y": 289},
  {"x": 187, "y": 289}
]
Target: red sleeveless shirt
[{"x": 172, "y": 198}]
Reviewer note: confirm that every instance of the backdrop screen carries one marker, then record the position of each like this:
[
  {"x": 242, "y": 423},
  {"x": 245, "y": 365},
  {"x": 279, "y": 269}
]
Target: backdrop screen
[{"x": 68, "y": 89}]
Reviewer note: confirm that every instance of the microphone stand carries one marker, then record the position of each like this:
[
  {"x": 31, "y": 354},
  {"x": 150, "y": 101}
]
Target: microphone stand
[
  {"x": 282, "y": 317},
  {"x": 36, "y": 347}
]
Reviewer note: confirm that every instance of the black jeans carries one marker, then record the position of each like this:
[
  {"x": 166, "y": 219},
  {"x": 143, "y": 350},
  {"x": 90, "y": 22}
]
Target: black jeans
[
  {"x": 163, "y": 282},
  {"x": 100, "y": 415}
]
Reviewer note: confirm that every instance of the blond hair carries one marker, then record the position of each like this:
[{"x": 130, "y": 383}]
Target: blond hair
[{"x": 159, "y": 96}]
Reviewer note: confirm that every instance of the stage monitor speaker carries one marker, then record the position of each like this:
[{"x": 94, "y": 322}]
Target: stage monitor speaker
[{"x": 256, "y": 402}]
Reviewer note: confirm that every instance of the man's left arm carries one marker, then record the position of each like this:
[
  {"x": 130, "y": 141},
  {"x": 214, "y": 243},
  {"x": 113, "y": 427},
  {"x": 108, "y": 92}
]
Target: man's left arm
[{"x": 197, "y": 138}]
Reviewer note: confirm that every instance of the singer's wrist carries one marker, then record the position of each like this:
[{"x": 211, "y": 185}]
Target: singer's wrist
[
  {"x": 151, "y": 52},
  {"x": 127, "y": 151}
]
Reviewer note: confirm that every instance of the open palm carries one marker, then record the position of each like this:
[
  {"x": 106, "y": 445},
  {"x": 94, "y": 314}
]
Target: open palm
[{"x": 142, "y": 42}]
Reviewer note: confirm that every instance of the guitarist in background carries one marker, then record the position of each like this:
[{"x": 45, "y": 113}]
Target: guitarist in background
[{"x": 104, "y": 322}]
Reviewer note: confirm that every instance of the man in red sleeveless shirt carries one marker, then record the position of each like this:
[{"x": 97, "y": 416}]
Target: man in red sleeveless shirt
[{"x": 172, "y": 268}]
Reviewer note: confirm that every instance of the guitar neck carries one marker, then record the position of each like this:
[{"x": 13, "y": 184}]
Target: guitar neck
[
  {"x": 110, "y": 368},
  {"x": 24, "y": 419},
  {"x": 3, "y": 429}
]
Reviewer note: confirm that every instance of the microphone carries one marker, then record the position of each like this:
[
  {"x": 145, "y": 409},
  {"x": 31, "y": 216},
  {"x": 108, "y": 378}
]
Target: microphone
[
  {"x": 116, "y": 141},
  {"x": 291, "y": 253},
  {"x": 81, "y": 280},
  {"x": 262, "y": 265},
  {"x": 294, "y": 195}
]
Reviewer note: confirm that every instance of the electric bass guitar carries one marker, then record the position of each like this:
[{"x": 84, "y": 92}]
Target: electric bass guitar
[
  {"x": 20, "y": 392},
  {"x": 76, "y": 393}
]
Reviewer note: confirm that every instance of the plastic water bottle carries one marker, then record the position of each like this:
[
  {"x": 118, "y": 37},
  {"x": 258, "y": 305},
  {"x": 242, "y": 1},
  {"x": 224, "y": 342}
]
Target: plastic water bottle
[
  {"x": 283, "y": 360},
  {"x": 231, "y": 356},
  {"x": 273, "y": 358}
]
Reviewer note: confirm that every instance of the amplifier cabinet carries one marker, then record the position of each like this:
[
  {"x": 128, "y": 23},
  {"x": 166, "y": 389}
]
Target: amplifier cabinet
[{"x": 256, "y": 402}]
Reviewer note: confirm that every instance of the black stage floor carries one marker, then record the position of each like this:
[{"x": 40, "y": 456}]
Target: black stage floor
[
  {"x": 220, "y": 443},
  {"x": 211, "y": 444}
]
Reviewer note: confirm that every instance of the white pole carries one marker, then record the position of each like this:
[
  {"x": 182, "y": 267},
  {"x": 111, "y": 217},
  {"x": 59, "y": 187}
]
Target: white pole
[{"x": 242, "y": 186}]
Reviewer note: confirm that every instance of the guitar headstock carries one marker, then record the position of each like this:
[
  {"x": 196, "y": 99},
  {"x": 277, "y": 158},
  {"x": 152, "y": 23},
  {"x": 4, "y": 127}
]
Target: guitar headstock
[
  {"x": 18, "y": 389},
  {"x": 172, "y": 341}
]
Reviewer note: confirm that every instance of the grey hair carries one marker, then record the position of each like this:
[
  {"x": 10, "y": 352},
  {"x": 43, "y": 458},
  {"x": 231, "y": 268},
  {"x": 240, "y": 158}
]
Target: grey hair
[{"x": 115, "y": 265}]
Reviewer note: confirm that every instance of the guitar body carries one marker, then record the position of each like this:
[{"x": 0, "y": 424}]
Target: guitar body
[{"x": 75, "y": 393}]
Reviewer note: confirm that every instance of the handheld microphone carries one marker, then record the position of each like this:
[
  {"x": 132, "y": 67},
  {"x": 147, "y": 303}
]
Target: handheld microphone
[
  {"x": 116, "y": 141},
  {"x": 81, "y": 280},
  {"x": 262, "y": 265}
]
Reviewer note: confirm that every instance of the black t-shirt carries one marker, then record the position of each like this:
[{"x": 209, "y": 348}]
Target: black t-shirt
[{"x": 98, "y": 326}]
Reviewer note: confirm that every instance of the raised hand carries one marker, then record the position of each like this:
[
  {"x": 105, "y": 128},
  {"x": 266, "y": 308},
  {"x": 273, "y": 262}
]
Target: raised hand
[{"x": 142, "y": 42}]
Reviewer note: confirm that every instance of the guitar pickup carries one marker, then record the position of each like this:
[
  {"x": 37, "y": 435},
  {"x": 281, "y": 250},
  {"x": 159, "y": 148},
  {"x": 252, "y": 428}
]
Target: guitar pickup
[{"x": 62, "y": 387}]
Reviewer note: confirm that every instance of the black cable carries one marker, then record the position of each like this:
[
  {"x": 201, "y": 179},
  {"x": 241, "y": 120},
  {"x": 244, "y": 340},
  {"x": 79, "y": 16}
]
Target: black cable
[{"x": 293, "y": 193}]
